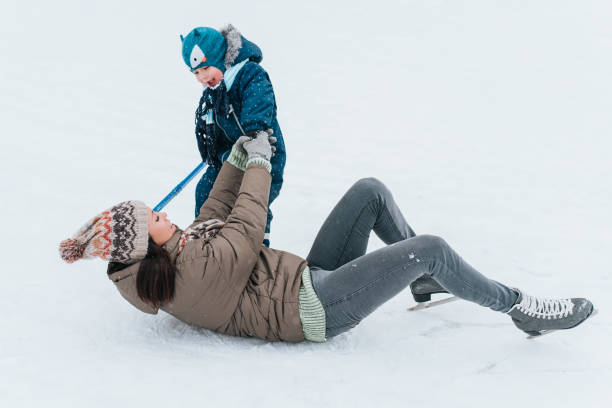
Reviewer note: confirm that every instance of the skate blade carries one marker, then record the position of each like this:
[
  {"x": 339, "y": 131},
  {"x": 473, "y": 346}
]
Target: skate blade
[
  {"x": 427, "y": 305},
  {"x": 543, "y": 332}
]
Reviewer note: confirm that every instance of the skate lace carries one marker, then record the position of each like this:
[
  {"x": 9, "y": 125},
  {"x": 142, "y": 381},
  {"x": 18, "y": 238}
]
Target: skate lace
[{"x": 546, "y": 308}]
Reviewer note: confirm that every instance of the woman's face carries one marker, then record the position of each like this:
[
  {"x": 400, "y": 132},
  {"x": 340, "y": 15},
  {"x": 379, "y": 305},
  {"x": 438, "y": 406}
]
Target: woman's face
[{"x": 160, "y": 227}]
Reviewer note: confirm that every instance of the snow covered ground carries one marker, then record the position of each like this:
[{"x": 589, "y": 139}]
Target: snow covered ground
[{"x": 489, "y": 120}]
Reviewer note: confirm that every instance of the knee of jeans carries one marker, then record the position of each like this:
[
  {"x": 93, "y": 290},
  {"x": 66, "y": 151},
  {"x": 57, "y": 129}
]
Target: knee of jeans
[
  {"x": 431, "y": 244},
  {"x": 370, "y": 187}
]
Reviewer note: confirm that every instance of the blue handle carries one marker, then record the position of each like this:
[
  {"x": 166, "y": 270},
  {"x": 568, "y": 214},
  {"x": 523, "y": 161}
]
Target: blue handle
[{"x": 178, "y": 188}]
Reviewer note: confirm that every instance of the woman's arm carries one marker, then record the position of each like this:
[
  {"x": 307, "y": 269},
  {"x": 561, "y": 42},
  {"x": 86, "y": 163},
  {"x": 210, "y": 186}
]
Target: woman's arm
[
  {"x": 237, "y": 245},
  {"x": 224, "y": 193}
]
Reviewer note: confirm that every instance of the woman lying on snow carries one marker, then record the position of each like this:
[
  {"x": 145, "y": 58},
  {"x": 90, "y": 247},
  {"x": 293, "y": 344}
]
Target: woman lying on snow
[{"x": 217, "y": 274}]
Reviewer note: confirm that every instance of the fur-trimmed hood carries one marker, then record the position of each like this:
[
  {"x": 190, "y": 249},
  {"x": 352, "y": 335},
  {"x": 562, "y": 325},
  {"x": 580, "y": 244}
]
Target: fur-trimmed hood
[{"x": 239, "y": 48}]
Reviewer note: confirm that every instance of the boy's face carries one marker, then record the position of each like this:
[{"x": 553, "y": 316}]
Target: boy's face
[{"x": 209, "y": 76}]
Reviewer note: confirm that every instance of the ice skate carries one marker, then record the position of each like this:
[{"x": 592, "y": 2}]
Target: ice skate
[
  {"x": 422, "y": 289},
  {"x": 537, "y": 316}
]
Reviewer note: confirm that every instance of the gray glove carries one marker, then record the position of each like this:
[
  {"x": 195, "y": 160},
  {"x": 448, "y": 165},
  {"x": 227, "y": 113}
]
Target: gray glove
[
  {"x": 214, "y": 223},
  {"x": 240, "y": 144},
  {"x": 259, "y": 146},
  {"x": 253, "y": 134}
]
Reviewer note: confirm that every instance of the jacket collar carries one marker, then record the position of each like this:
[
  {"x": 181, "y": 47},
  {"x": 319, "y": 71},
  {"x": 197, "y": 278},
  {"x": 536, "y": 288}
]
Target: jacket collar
[{"x": 172, "y": 246}]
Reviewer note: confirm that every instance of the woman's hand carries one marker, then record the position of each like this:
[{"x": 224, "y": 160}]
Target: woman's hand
[
  {"x": 239, "y": 145},
  {"x": 260, "y": 146}
]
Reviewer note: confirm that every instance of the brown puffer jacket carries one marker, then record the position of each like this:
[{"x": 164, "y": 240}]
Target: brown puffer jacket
[{"x": 231, "y": 284}]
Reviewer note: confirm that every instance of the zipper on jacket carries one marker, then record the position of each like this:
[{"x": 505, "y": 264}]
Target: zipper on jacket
[
  {"x": 237, "y": 122},
  {"x": 220, "y": 127},
  {"x": 236, "y": 119}
]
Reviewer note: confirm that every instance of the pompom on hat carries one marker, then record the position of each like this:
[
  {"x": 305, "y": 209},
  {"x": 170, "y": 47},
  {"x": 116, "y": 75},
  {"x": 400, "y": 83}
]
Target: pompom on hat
[
  {"x": 119, "y": 234},
  {"x": 203, "y": 47}
]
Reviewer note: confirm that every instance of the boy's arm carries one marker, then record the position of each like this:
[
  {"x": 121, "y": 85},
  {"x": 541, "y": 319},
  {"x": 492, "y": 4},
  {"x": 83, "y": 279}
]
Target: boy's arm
[
  {"x": 258, "y": 102},
  {"x": 224, "y": 192}
]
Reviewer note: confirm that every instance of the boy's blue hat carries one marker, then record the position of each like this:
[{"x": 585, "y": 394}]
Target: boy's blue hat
[{"x": 203, "y": 47}]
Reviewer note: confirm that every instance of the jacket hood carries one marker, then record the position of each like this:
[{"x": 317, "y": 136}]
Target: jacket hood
[
  {"x": 239, "y": 48},
  {"x": 125, "y": 275}
]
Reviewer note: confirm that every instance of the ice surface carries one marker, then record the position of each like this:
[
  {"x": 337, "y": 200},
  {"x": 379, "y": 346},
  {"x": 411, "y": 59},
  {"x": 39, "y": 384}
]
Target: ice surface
[{"x": 488, "y": 120}]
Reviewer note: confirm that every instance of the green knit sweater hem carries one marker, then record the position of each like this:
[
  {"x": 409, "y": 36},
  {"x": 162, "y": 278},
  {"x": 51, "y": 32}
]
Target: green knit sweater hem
[
  {"x": 312, "y": 313},
  {"x": 261, "y": 161},
  {"x": 237, "y": 159}
]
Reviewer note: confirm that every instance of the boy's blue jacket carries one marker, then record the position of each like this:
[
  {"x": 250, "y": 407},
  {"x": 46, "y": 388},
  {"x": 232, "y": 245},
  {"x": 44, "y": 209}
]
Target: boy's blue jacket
[{"x": 249, "y": 103}]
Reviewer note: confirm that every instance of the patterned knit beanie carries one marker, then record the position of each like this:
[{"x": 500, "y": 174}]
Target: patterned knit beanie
[
  {"x": 203, "y": 47},
  {"x": 119, "y": 234}
]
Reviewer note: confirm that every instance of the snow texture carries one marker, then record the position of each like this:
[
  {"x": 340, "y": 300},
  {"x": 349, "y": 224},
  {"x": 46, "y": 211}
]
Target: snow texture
[{"x": 489, "y": 120}]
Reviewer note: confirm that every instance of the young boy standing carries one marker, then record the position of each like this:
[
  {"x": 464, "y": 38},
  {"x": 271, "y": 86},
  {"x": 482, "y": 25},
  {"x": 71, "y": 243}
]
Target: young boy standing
[{"x": 238, "y": 100}]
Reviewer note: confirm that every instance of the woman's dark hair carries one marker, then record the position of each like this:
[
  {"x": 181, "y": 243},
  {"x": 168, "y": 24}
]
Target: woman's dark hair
[{"x": 156, "y": 274}]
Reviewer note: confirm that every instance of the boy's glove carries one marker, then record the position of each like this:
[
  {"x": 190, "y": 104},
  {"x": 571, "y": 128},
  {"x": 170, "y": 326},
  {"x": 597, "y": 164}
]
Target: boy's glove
[{"x": 259, "y": 146}]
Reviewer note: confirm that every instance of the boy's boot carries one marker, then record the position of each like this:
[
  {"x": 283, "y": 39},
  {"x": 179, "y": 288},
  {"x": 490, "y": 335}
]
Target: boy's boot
[{"x": 535, "y": 316}]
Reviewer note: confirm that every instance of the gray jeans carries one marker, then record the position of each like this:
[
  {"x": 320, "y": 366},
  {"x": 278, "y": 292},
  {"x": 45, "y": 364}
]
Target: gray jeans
[{"x": 352, "y": 284}]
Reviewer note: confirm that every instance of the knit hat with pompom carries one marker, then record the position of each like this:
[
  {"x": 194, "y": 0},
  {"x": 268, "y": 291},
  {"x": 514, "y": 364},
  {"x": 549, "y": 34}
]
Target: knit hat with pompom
[{"x": 119, "y": 234}]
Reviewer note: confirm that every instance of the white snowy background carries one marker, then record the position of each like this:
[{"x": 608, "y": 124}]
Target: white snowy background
[{"x": 489, "y": 120}]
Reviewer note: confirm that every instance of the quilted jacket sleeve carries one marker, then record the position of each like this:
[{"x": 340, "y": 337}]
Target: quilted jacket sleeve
[
  {"x": 236, "y": 247},
  {"x": 223, "y": 195},
  {"x": 258, "y": 102}
]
